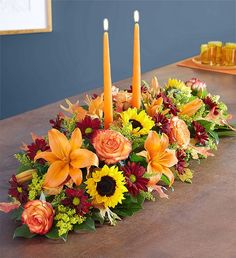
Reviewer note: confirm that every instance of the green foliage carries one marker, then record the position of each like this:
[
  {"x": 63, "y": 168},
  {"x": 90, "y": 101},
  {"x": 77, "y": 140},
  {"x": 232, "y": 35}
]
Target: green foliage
[
  {"x": 165, "y": 179},
  {"x": 25, "y": 162},
  {"x": 35, "y": 187},
  {"x": 66, "y": 219},
  {"x": 23, "y": 231},
  {"x": 138, "y": 143},
  {"x": 87, "y": 225},
  {"x": 16, "y": 214},
  {"x": 148, "y": 196},
  {"x": 70, "y": 124},
  {"x": 138, "y": 159},
  {"x": 129, "y": 206},
  {"x": 96, "y": 216}
]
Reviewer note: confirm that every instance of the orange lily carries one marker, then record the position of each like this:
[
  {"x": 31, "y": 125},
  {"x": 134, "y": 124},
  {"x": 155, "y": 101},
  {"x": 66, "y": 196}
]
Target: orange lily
[
  {"x": 159, "y": 157},
  {"x": 95, "y": 106},
  {"x": 191, "y": 108},
  {"x": 66, "y": 158},
  {"x": 154, "y": 107},
  {"x": 75, "y": 109}
]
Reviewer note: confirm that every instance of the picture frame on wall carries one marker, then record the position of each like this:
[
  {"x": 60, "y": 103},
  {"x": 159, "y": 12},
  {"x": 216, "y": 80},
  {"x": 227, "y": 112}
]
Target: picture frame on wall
[{"x": 25, "y": 16}]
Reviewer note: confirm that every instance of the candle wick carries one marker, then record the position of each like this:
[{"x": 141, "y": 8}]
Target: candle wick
[
  {"x": 136, "y": 16},
  {"x": 105, "y": 24}
]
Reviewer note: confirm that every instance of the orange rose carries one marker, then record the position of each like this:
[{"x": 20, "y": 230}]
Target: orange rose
[
  {"x": 111, "y": 146},
  {"x": 179, "y": 132},
  {"x": 38, "y": 216}
]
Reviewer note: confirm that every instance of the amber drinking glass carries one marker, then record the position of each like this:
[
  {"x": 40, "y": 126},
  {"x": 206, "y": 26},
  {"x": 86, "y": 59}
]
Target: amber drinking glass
[
  {"x": 214, "y": 52},
  {"x": 204, "y": 54},
  {"x": 229, "y": 54}
]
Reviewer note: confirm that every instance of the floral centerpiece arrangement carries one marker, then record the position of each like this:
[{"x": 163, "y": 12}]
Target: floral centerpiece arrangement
[{"x": 80, "y": 174}]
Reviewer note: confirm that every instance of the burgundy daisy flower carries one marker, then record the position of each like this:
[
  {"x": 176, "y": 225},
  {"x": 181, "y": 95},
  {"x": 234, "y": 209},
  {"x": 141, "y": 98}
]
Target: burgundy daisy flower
[
  {"x": 144, "y": 89},
  {"x": 167, "y": 102},
  {"x": 57, "y": 123},
  {"x": 19, "y": 191},
  {"x": 134, "y": 178},
  {"x": 37, "y": 145},
  {"x": 181, "y": 155},
  {"x": 200, "y": 133},
  {"x": 211, "y": 105},
  {"x": 89, "y": 126},
  {"x": 162, "y": 123},
  {"x": 77, "y": 200}
]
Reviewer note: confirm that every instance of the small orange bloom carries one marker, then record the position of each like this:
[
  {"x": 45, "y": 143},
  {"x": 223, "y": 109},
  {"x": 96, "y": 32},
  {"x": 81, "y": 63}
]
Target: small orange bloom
[
  {"x": 66, "y": 158},
  {"x": 111, "y": 146},
  {"x": 154, "y": 107},
  {"x": 159, "y": 157},
  {"x": 75, "y": 109},
  {"x": 38, "y": 216},
  {"x": 95, "y": 106},
  {"x": 191, "y": 108},
  {"x": 179, "y": 132}
]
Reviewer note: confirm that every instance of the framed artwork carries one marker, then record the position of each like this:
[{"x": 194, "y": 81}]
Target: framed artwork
[{"x": 25, "y": 16}]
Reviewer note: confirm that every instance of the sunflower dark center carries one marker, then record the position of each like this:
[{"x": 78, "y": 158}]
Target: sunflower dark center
[
  {"x": 106, "y": 186},
  {"x": 135, "y": 124}
]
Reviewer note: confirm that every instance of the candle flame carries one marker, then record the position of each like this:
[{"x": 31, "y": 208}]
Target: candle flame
[
  {"x": 136, "y": 16},
  {"x": 105, "y": 24}
]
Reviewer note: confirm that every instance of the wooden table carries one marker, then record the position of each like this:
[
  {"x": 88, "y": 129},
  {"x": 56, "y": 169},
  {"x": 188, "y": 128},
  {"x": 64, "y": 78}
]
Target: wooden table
[{"x": 198, "y": 220}]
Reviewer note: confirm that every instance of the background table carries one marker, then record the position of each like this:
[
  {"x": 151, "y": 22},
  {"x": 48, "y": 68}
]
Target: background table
[{"x": 198, "y": 220}]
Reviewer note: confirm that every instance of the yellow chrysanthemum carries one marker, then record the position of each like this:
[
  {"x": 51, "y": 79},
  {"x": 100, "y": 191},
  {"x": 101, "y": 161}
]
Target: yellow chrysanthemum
[
  {"x": 138, "y": 123},
  {"x": 178, "y": 84},
  {"x": 107, "y": 186}
]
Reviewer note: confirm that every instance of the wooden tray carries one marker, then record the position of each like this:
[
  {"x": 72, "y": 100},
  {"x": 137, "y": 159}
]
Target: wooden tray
[{"x": 197, "y": 61}]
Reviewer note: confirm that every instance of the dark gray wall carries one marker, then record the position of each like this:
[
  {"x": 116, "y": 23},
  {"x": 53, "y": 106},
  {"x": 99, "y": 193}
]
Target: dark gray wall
[{"x": 41, "y": 68}]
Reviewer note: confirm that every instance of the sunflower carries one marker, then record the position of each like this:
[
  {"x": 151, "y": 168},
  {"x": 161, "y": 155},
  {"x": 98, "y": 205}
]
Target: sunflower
[
  {"x": 107, "y": 186},
  {"x": 138, "y": 123},
  {"x": 178, "y": 84}
]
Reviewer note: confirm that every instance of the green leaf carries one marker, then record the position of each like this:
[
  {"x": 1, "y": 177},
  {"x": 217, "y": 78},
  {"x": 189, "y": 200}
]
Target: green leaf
[
  {"x": 129, "y": 206},
  {"x": 208, "y": 125},
  {"x": 165, "y": 179},
  {"x": 53, "y": 234},
  {"x": 23, "y": 231},
  {"x": 138, "y": 159},
  {"x": 214, "y": 135},
  {"x": 98, "y": 217},
  {"x": 87, "y": 225},
  {"x": 16, "y": 214},
  {"x": 226, "y": 133}
]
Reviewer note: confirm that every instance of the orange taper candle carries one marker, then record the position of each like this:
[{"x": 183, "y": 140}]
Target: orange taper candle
[
  {"x": 107, "y": 84},
  {"x": 136, "y": 81}
]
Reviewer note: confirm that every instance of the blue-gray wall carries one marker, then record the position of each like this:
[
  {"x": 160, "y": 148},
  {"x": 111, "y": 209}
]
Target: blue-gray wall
[{"x": 41, "y": 68}]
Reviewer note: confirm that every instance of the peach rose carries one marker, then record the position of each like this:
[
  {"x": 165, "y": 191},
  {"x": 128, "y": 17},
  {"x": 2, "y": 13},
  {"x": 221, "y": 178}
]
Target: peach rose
[
  {"x": 38, "y": 216},
  {"x": 111, "y": 146},
  {"x": 179, "y": 132}
]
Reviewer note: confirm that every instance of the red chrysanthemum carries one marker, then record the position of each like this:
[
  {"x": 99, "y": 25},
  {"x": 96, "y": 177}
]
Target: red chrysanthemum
[
  {"x": 211, "y": 105},
  {"x": 167, "y": 102},
  {"x": 57, "y": 123},
  {"x": 77, "y": 200},
  {"x": 200, "y": 133},
  {"x": 18, "y": 191},
  {"x": 144, "y": 89},
  {"x": 89, "y": 126},
  {"x": 180, "y": 166},
  {"x": 162, "y": 123},
  {"x": 94, "y": 96},
  {"x": 135, "y": 181},
  {"x": 35, "y": 147}
]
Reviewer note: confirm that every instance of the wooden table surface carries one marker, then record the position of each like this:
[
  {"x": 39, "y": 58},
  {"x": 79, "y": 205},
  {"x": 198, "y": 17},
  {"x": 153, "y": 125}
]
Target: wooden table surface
[{"x": 198, "y": 220}]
